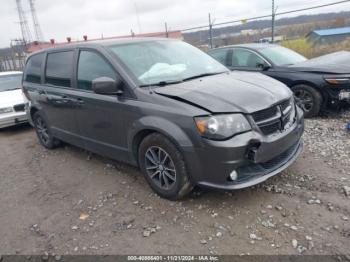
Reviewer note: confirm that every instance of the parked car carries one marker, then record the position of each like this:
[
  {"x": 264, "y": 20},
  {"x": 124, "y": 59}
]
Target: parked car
[
  {"x": 167, "y": 107},
  {"x": 12, "y": 103},
  {"x": 317, "y": 83}
]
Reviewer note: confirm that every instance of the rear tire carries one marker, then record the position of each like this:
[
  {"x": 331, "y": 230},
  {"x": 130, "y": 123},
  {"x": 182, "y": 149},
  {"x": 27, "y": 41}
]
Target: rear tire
[
  {"x": 164, "y": 167},
  {"x": 309, "y": 99},
  {"x": 44, "y": 133}
]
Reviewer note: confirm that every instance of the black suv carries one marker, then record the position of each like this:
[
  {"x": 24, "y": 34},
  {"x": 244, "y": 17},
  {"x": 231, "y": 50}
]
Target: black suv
[{"x": 167, "y": 107}]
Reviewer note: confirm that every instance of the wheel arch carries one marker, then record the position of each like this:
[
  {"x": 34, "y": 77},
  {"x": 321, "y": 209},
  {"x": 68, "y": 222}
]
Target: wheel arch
[
  {"x": 149, "y": 125},
  {"x": 33, "y": 110},
  {"x": 313, "y": 85}
]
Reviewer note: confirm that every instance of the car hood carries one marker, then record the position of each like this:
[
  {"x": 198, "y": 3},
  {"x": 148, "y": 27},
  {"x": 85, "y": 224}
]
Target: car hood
[
  {"x": 334, "y": 63},
  {"x": 229, "y": 92},
  {"x": 10, "y": 98}
]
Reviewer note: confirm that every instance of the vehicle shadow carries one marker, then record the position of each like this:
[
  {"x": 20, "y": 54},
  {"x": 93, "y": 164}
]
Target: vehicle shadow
[
  {"x": 13, "y": 130},
  {"x": 134, "y": 176}
]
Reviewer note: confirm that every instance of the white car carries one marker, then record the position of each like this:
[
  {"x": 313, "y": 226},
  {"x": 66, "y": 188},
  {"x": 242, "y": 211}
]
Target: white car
[{"x": 12, "y": 100}]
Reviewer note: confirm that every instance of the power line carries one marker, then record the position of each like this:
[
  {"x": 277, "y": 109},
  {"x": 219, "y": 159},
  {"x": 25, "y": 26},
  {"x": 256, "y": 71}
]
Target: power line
[
  {"x": 314, "y": 7},
  {"x": 267, "y": 16}
]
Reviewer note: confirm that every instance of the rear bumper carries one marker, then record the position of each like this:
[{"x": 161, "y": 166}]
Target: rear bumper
[
  {"x": 253, "y": 156},
  {"x": 13, "y": 119}
]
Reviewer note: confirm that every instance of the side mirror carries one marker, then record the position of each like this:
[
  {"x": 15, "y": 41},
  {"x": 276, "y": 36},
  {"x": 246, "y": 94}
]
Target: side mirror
[
  {"x": 107, "y": 86},
  {"x": 263, "y": 66}
]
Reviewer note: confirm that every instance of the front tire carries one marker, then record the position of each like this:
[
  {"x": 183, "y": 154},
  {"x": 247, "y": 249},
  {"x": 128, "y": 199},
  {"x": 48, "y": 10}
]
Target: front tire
[
  {"x": 163, "y": 166},
  {"x": 309, "y": 99},
  {"x": 43, "y": 132}
]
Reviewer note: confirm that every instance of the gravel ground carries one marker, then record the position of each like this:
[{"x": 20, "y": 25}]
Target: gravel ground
[
  {"x": 328, "y": 138},
  {"x": 68, "y": 201}
]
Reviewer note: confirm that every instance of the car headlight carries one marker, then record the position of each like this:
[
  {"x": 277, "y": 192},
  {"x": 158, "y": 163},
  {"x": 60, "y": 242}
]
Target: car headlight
[
  {"x": 337, "y": 81},
  {"x": 220, "y": 127},
  {"x": 5, "y": 110}
]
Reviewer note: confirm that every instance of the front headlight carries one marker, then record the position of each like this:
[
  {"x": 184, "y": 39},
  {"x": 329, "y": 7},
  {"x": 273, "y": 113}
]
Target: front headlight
[
  {"x": 5, "y": 110},
  {"x": 220, "y": 127}
]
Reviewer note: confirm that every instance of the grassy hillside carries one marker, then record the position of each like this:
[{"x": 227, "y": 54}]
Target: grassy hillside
[{"x": 306, "y": 49}]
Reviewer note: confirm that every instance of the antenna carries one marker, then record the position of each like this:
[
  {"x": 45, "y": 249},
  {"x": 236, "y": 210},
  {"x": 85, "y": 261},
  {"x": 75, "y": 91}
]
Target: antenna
[
  {"x": 38, "y": 33},
  {"x": 26, "y": 34},
  {"x": 138, "y": 17}
]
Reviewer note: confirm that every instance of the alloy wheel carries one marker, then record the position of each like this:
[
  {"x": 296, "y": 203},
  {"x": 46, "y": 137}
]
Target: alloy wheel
[
  {"x": 42, "y": 130},
  {"x": 160, "y": 167},
  {"x": 304, "y": 99}
]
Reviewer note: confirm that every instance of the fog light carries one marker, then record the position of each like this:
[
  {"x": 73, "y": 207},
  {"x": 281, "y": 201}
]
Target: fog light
[{"x": 233, "y": 175}]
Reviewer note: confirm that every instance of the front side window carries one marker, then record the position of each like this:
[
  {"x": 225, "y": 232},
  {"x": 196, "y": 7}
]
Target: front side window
[
  {"x": 59, "y": 68},
  {"x": 92, "y": 66},
  {"x": 220, "y": 55},
  {"x": 158, "y": 61},
  {"x": 32, "y": 72},
  {"x": 246, "y": 58},
  {"x": 10, "y": 82}
]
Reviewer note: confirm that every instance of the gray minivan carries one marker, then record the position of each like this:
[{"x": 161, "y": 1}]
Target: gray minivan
[{"x": 167, "y": 107}]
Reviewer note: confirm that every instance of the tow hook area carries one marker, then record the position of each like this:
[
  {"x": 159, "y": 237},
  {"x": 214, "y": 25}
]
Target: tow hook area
[{"x": 252, "y": 150}]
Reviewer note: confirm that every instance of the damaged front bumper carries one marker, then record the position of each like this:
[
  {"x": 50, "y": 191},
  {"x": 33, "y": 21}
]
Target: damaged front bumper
[{"x": 212, "y": 165}]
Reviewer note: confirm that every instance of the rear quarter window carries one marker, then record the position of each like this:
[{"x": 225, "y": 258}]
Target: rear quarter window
[
  {"x": 32, "y": 71},
  {"x": 59, "y": 68}
]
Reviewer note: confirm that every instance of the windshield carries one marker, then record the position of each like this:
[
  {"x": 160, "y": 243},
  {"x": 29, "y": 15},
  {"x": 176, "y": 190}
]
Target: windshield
[
  {"x": 164, "y": 61},
  {"x": 10, "y": 82},
  {"x": 279, "y": 55}
]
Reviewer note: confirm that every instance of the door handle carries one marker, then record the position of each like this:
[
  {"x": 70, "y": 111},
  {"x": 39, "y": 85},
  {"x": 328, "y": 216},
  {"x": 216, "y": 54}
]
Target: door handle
[
  {"x": 66, "y": 99},
  {"x": 80, "y": 101}
]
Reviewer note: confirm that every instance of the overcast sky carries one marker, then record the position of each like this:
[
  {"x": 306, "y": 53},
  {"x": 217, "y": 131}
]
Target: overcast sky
[{"x": 74, "y": 18}]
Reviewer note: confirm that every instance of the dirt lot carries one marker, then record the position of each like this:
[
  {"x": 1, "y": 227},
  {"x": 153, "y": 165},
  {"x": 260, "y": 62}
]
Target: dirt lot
[{"x": 68, "y": 201}]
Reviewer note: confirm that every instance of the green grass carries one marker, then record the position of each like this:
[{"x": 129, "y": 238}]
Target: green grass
[{"x": 303, "y": 47}]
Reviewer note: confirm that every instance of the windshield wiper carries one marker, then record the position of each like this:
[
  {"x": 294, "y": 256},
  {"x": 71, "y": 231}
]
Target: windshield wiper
[
  {"x": 163, "y": 83},
  {"x": 172, "y": 82},
  {"x": 202, "y": 75}
]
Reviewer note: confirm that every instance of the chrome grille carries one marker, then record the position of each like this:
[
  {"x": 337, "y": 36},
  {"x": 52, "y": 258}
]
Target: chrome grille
[
  {"x": 265, "y": 114},
  {"x": 275, "y": 119}
]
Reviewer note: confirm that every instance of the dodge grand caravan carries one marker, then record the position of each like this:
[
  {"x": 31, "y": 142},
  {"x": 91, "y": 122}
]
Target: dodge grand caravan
[{"x": 167, "y": 107}]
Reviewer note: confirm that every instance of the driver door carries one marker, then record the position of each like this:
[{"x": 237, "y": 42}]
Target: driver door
[
  {"x": 100, "y": 117},
  {"x": 245, "y": 60}
]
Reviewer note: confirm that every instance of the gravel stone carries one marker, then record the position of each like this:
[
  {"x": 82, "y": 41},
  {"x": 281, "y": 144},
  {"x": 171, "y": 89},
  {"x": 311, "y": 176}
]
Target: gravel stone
[
  {"x": 314, "y": 201},
  {"x": 346, "y": 190},
  {"x": 146, "y": 233},
  {"x": 268, "y": 224},
  {"x": 308, "y": 238},
  {"x": 45, "y": 257},
  {"x": 279, "y": 208},
  {"x": 294, "y": 228},
  {"x": 301, "y": 249}
]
